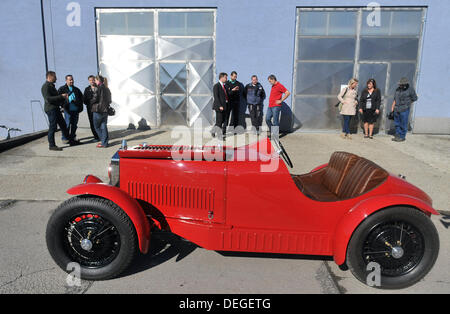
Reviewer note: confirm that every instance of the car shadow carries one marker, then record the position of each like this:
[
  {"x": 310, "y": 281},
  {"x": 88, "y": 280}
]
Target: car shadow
[
  {"x": 164, "y": 246},
  {"x": 276, "y": 255}
]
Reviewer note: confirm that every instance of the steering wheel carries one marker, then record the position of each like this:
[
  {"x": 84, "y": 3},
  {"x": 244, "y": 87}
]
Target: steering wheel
[{"x": 281, "y": 151}]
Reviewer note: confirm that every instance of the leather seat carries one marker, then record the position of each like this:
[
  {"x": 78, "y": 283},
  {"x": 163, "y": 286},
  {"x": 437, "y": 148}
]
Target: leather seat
[
  {"x": 311, "y": 185},
  {"x": 339, "y": 165},
  {"x": 324, "y": 183},
  {"x": 346, "y": 176},
  {"x": 363, "y": 177}
]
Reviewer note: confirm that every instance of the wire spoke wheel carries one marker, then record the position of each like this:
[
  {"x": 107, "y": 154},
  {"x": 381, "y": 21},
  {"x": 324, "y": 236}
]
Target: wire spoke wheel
[
  {"x": 402, "y": 241},
  {"x": 91, "y": 240},
  {"x": 94, "y": 233},
  {"x": 397, "y": 247}
]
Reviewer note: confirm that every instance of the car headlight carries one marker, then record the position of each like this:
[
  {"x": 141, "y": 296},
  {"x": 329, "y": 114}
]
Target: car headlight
[{"x": 114, "y": 171}]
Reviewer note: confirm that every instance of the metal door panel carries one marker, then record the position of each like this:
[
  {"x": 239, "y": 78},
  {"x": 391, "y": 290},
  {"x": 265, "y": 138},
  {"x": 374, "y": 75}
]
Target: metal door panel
[
  {"x": 200, "y": 78},
  {"x": 185, "y": 48},
  {"x": 173, "y": 78},
  {"x": 173, "y": 109},
  {"x": 200, "y": 109},
  {"x": 151, "y": 75}
]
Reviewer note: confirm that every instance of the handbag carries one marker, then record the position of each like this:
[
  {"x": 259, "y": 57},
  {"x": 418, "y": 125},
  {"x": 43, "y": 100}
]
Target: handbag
[
  {"x": 111, "y": 111},
  {"x": 391, "y": 115},
  {"x": 339, "y": 104}
]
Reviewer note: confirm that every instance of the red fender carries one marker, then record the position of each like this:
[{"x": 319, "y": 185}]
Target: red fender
[
  {"x": 348, "y": 224},
  {"x": 129, "y": 205}
]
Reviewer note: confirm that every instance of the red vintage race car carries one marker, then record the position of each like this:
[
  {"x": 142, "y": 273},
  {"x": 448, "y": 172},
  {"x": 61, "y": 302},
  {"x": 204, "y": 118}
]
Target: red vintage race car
[{"x": 244, "y": 199}]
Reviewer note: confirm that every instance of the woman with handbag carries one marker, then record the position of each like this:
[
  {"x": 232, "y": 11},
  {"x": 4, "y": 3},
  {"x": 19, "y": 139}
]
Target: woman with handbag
[
  {"x": 100, "y": 110},
  {"x": 347, "y": 106},
  {"x": 369, "y": 108}
]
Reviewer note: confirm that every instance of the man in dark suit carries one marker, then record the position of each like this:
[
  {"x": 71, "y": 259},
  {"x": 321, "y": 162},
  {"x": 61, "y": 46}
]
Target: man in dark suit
[
  {"x": 235, "y": 89},
  {"x": 221, "y": 106}
]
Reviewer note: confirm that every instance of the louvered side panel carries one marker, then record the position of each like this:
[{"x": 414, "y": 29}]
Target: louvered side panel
[
  {"x": 173, "y": 195},
  {"x": 275, "y": 242}
]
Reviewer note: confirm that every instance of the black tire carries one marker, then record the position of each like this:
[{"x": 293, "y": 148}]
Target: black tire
[
  {"x": 111, "y": 232},
  {"x": 401, "y": 241}
]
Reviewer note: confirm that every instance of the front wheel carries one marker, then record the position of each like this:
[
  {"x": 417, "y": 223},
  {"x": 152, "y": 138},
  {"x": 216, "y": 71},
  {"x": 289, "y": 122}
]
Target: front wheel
[
  {"x": 94, "y": 233},
  {"x": 393, "y": 248}
]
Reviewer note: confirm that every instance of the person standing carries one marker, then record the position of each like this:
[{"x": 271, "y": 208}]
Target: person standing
[
  {"x": 369, "y": 108},
  {"x": 233, "y": 87},
  {"x": 348, "y": 100},
  {"x": 404, "y": 97},
  {"x": 278, "y": 94},
  {"x": 90, "y": 98},
  {"x": 221, "y": 105},
  {"x": 72, "y": 108},
  {"x": 100, "y": 110},
  {"x": 255, "y": 95},
  {"x": 52, "y": 107}
]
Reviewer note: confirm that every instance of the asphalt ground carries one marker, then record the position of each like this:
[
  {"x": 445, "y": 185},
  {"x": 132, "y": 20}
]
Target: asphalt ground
[{"x": 33, "y": 181}]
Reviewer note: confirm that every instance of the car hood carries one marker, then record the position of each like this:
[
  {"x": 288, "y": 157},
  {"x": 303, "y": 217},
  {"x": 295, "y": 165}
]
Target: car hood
[{"x": 259, "y": 151}]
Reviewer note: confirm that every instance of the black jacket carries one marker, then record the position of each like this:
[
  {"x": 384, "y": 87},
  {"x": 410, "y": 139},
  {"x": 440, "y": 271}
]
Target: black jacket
[
  {"x": 89, "y": 97},
  {"x": 104, "y": 100},
  {"x": 235, "y": 96},
  {"x": 376, "y": 99},
  {"x": 52, "y": 99},
  {"x": 220, "y": 99},
  {"x": 78, "y": 97}
]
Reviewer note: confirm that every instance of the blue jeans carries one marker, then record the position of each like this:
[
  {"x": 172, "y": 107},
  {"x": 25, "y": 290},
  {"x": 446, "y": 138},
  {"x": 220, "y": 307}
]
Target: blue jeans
[
  {"x": 101, "y": 127},
  {"x": 71, "y": 118},
  {"x": 401, "y": 123},
  {"x": 273, "y": 112},
  {"x": 346, "y": 127}
]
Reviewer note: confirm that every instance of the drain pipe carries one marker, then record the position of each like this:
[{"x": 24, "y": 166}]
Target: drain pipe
[{"x": 44, "y": 36}]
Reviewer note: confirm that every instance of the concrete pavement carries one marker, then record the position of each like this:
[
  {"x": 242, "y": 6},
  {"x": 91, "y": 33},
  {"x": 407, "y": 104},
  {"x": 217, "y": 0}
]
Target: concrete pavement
[{"x": 36, "y": 180}]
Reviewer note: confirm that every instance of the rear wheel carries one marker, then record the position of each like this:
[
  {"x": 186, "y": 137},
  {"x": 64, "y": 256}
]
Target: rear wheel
[
  {"x": 94, "y": 233},
  {"x": 399, "y": 245}
]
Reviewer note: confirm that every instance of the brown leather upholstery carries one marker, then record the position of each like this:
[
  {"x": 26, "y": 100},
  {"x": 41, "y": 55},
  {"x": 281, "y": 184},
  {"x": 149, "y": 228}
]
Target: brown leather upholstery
[
  {"x": 363, "y": 177},
  {"x": 311, "y": 185},
  {"x": 346, "y": 176},
  {"x": 339, "y": 165}
]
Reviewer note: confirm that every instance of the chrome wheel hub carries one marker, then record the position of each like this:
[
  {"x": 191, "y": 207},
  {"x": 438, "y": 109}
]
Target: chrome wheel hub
[
  {"x": 397, "y": 252},
  {"x": 86, "y": 244}
]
